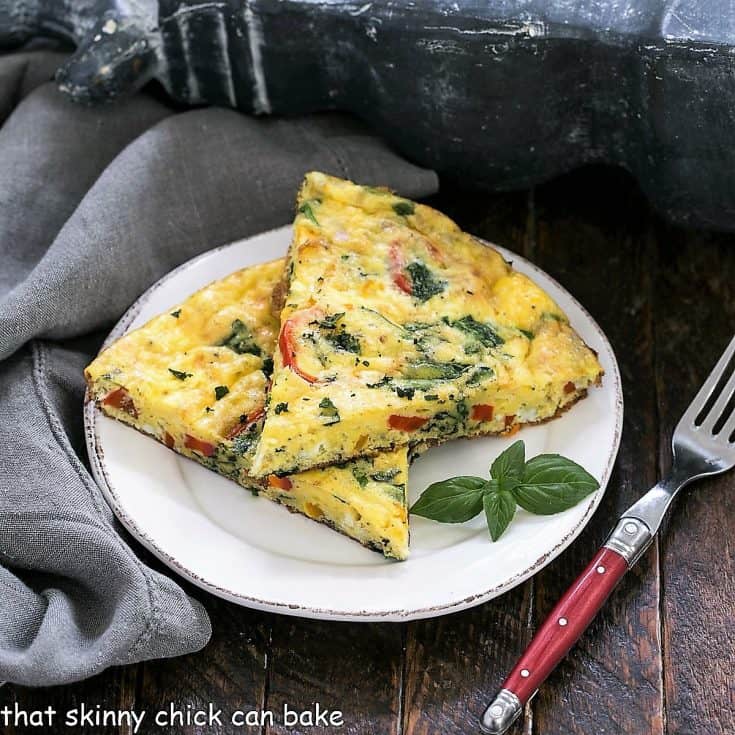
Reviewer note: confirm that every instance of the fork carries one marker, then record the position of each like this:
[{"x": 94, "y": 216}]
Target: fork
[{"x": 703, "y": 444}]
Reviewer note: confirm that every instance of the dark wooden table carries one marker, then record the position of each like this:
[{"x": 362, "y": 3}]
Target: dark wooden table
[{"x": 659, "y": 660}]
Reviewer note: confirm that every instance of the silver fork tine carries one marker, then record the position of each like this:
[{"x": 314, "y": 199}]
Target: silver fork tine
[
  {"x": 719, "y": 406},
  {"x": 728, "y": 428},
  {"x": 708, "y": 387}
]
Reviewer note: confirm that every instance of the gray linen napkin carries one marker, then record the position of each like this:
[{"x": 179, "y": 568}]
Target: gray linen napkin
[{"x": 95, "y": 205}]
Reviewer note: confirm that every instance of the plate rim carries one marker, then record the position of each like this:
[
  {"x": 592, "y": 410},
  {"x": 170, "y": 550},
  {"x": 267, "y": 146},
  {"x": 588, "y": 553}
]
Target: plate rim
[{"x": 99, "y": 472}]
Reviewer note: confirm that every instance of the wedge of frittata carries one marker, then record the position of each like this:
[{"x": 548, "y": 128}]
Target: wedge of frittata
[
  {"x": 399, "y": 328},
  {"x": 196, "y": 378}
]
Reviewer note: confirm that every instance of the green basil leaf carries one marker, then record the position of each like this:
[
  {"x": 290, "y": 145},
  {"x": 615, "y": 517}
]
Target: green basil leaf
[
  {"x": 404, "y": 208},
  {"x": 509, "y": 464},
  {"x": 330, "y": 321},
  {"x": 241, "y": 340},
  {"x": 451, "y": 501},
  {"x": 482, "y": 332},
  {"x": 344, "y": 341},
  {"x": 552, "y": 483},
  {"x": 500, "y": 507},
  {"x": 424, "y": 284},
  {"x": 180, "y": 374},
  {"x": 329, "y": 411},
  {"x": 308, "y": 212}
]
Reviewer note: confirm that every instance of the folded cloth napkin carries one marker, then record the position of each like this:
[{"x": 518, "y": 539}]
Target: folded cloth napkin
[{"x": 95, "y": 205}]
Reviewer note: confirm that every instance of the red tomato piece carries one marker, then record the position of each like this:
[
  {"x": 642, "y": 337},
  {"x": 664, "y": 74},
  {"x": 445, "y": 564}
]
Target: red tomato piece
[
  {"x": 406, "y": 423},
  {"x": 280, "y": 482},
  {"x": 569, "y": 387},
  {"x": 397, "y": 265},
  {"x": 403, "y": 282},
  {"x": 198, "y": 445},
  {"x": 482, "y": 412},
  {"x": 120, "y": 399},
  {"x": 168, "y": 440},
  {"x": 287, "y": 340},
  {"x": 250, "y": 419}
]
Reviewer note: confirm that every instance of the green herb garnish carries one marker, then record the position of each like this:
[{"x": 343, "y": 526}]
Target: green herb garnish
[
  {"x": 404, "y": 391},
  {"x": 424, "y": 284},
  {"x": 179, "y": 374},
  {"x": 244, "y": 442},
  {"x": 330, "y": 321},
  {"x": 433, "y": 370},
  {"x": 381, "y": 190},
  {"x": 384, "y": 381},
  {"x": 176, "y": 314},
  {"x": 221, "y": 391},
  {"x": 281, "y": 408},
  {"x": 345, "y": 341},
  {"x": 480, "y": 373},
  {"x": 308, "y": 212},
  {"x": 386, "y": 476},
  {"x": 500, "y": 507},
  {"x": 240, "y": 339},
  {"x": 483, "y": 333},
  {"x": 546, "y": 484},
  {"x": 404, "y": 208},
  {"x": 329, "y": 411}
]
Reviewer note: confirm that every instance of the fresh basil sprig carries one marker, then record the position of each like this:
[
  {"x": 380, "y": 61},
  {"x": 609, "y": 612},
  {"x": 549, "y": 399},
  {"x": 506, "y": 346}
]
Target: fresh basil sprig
[
  {"x": 452, "y": 501},
  {"x": 546, "y": 484}
]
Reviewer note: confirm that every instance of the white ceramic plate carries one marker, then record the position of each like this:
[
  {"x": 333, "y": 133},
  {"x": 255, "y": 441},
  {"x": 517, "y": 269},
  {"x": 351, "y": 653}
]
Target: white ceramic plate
[{"x": 255, "y": 553}]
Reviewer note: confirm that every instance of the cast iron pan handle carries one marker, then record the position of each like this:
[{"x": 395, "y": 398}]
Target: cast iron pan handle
[{"x": 116, "y": 58}]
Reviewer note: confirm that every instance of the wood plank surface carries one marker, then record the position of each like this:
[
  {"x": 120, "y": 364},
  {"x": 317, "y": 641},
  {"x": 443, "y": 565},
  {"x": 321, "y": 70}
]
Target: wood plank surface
[
  {"x": 352, "y": 667},
  {"x": 114, "y": 689},
  {"x": 695, "y": 304},
  {"x": 455, "y": 664},
  {"x": 593, "y": 237}
]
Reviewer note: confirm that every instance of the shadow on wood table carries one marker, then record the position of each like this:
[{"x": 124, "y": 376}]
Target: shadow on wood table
[{"x": 660, "y": 657}]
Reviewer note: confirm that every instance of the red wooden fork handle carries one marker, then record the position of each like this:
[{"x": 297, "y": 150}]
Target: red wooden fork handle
[{"x": 566, "y": 623}]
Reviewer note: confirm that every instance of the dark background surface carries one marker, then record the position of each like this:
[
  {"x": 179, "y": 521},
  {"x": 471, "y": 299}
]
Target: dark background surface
[
  {"x": 506, "y": 92},
  {"x": 660, "y": 657}
]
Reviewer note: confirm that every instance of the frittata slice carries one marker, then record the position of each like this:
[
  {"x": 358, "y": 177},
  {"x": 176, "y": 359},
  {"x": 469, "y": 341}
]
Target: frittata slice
[
  {"x": 400, "y": 328},
  {"x": 196, "y": 378}
]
